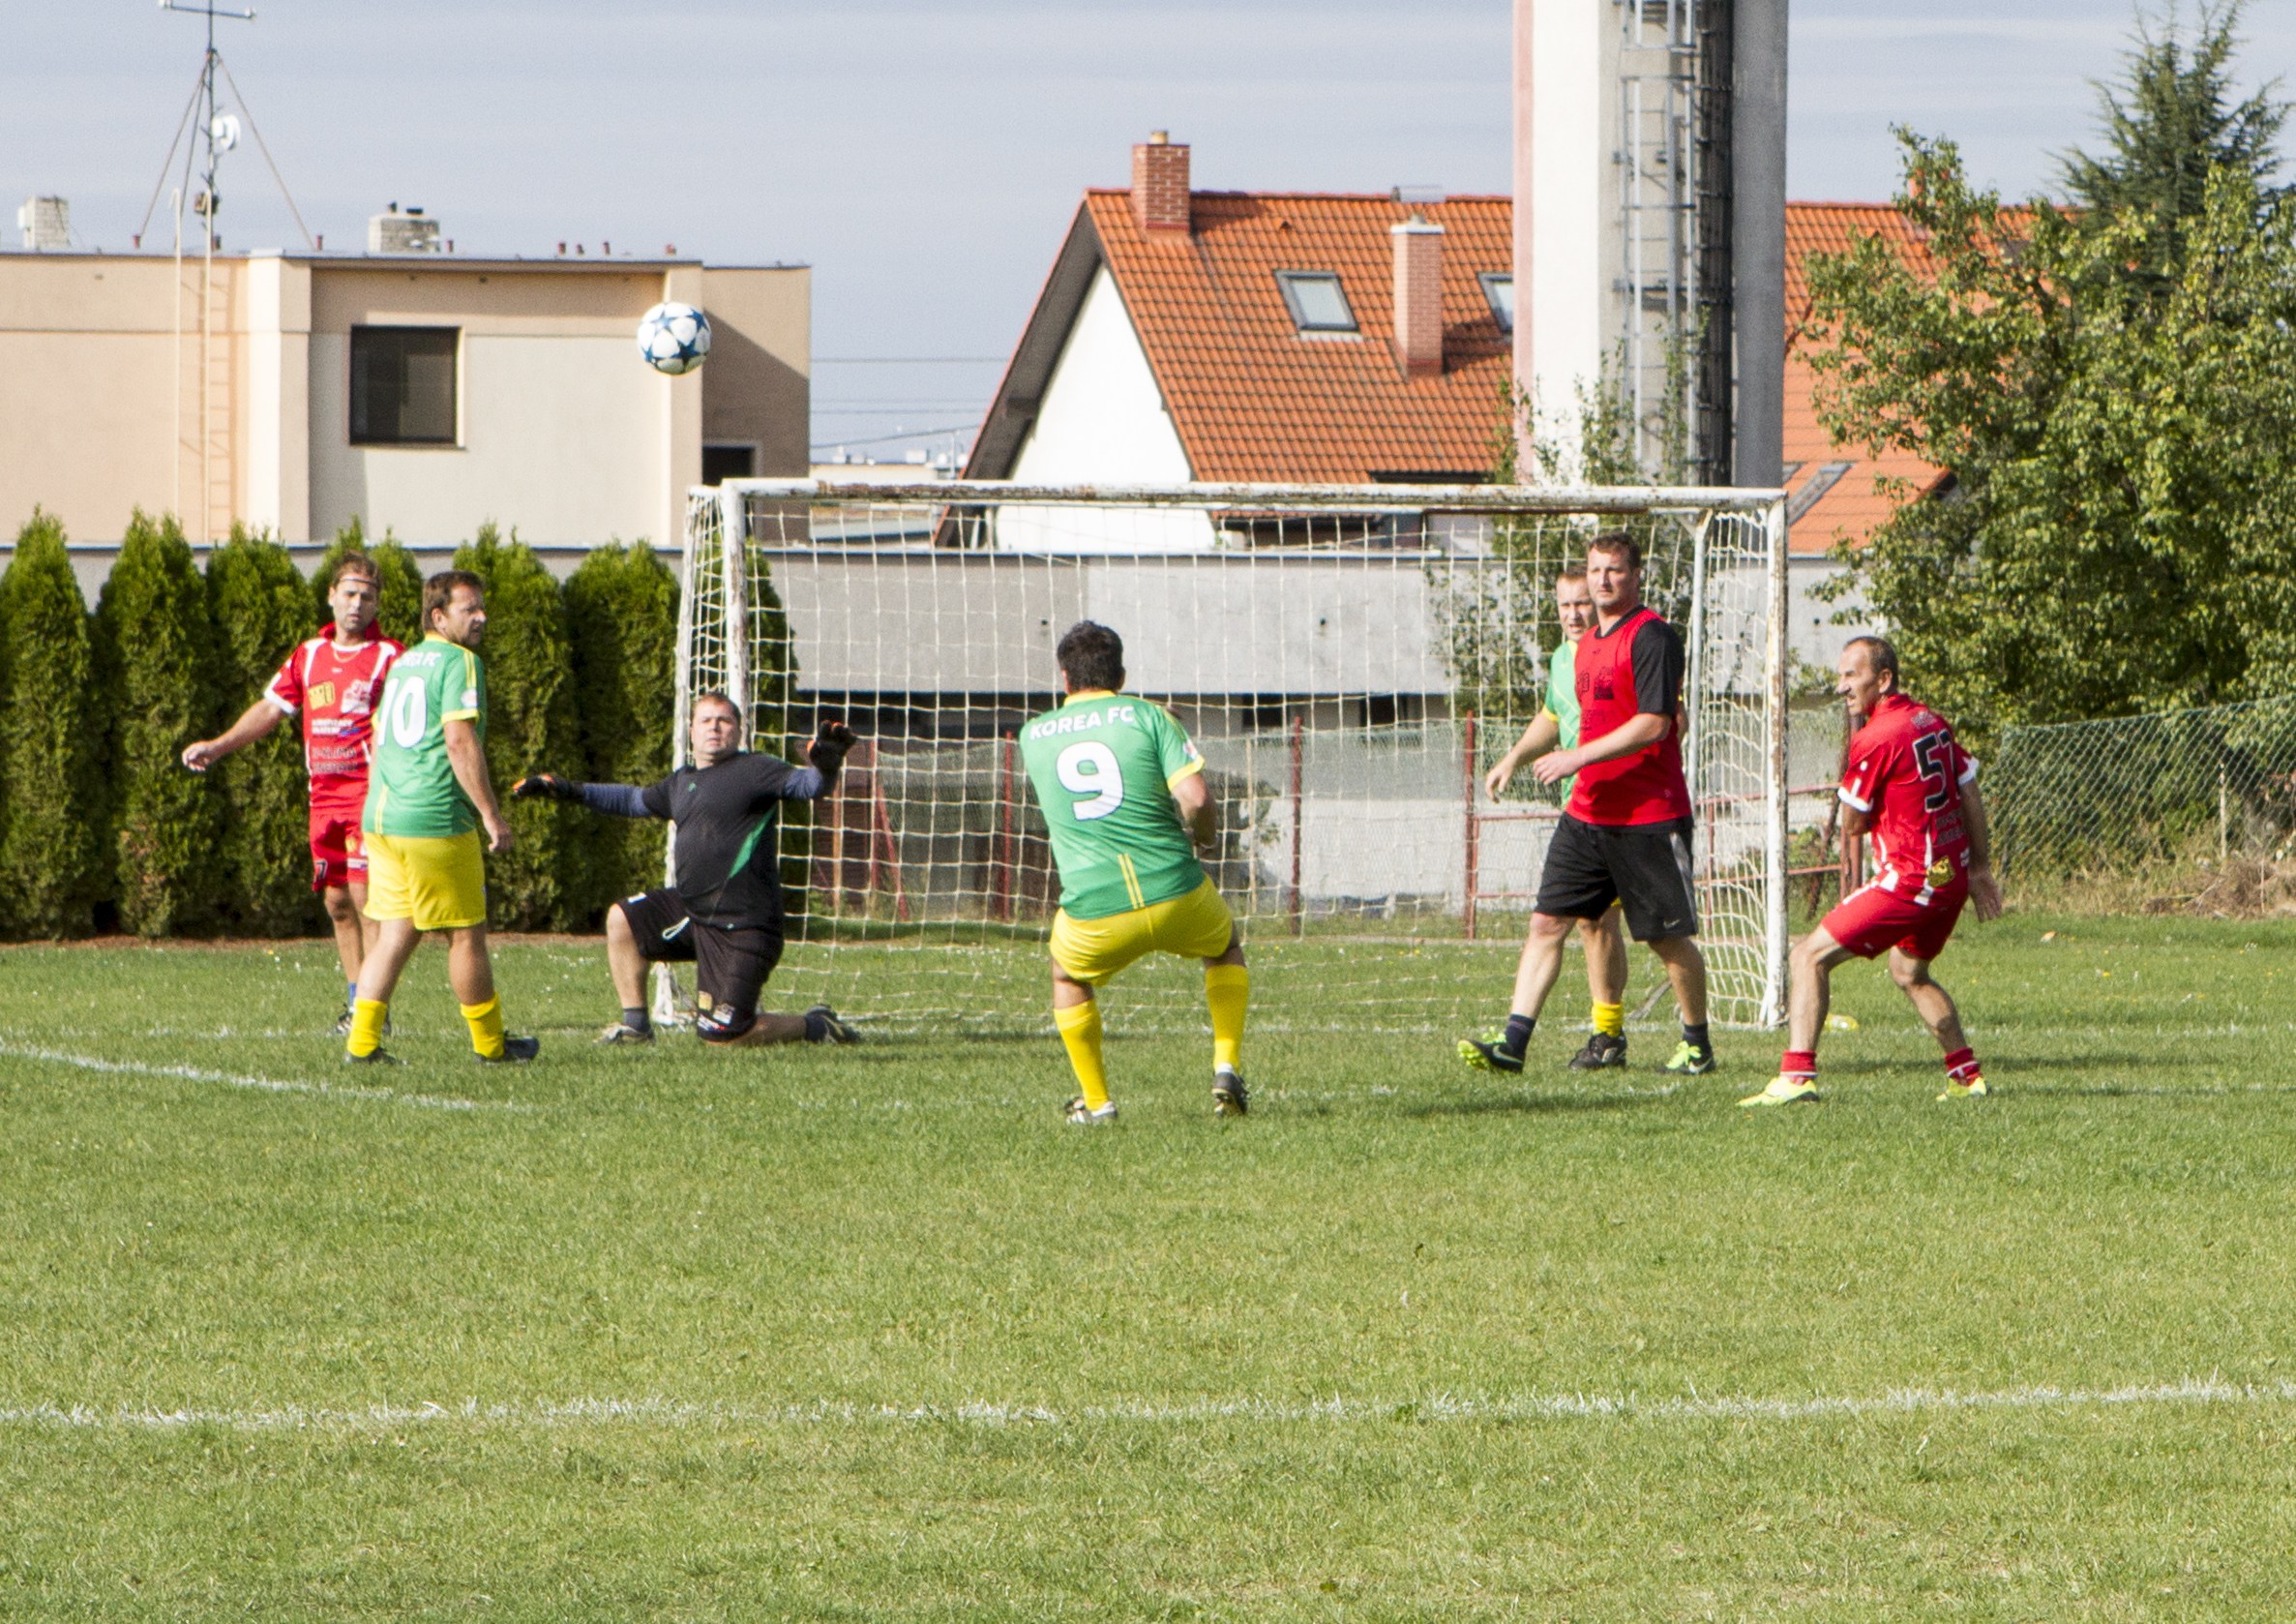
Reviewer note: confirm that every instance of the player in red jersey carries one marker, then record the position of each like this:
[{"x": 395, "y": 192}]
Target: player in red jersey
[
  {"x": 332, "y": 680},
  {"x": 1625, "y": 835},
  {"x": 1912, "y": 788}
]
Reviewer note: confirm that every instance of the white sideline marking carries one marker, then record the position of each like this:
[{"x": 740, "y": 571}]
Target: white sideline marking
[
  {"x": 1435, "y": 1407},
  {"x": 267, "y": 1085}
]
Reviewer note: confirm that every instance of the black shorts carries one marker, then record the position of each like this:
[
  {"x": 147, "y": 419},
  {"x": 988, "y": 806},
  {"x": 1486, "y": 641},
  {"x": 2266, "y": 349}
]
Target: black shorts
[
  {"x": 730, "y": 966},
  {"x": 1645, "y": 867}
]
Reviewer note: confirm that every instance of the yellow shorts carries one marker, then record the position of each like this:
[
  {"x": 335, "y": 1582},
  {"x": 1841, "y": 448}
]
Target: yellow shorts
[
  {"x": 439, "y": 882},
  {"x": 1197, "y": 925}
]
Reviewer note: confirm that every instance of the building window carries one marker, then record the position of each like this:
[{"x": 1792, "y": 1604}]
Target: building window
[
  {"x": 1316, "y": 302},
  {"x": 721, "y": 462},
  {"x": 403, "y": 385},
  {"x": 1499, "y": 290}
]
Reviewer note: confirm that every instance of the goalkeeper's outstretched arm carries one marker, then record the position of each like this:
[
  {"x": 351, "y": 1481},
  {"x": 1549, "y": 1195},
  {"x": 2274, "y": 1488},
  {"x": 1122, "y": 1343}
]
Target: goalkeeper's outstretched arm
[{"x": 620, "y": 800}]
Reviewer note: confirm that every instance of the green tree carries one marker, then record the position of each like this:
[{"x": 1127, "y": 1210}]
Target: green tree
[
  {"x": 532, "y": 727},
  {"x": 156, "y": 659},
  {"x": 400, "y": 613},
  {"x": 2118, "y": 421},
  {"x": 262, "y": 609},
  {"x": 50, "y": 794},
  {"x": 621, "y": 615},
  {"x": 2169, "y": 121}
]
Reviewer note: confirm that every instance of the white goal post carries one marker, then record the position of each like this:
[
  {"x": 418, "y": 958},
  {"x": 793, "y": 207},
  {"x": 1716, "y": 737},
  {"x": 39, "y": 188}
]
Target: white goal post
[{"x": 1350, "y": 659}]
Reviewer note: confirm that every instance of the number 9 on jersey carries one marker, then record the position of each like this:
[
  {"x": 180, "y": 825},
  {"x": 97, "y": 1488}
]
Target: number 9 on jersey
[{"x": 1089, "y": 769}]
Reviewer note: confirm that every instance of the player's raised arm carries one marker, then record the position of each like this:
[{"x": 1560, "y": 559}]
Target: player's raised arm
[{"x": 259, "y": 720}]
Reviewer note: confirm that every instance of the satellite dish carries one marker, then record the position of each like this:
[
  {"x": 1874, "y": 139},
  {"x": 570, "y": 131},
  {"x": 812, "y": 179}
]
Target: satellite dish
[{"x": 225, "y": 130}]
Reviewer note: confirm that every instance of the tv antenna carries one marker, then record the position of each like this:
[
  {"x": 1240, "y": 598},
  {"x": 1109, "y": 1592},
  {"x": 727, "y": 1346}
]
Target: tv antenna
[{"x": 217, "y": 132}]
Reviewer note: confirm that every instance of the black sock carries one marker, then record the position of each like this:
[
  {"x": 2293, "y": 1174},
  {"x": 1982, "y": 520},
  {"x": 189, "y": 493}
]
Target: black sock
[
  {"x": 638, "y": 1020},
  {"x": 1696, "y": 1036},
  {"x": 817, "y": 1027},
  {"x": 1518, "y": 1034}
]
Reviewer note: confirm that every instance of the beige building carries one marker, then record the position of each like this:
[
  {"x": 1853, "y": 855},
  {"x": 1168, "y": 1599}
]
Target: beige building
[{"x": 421, "y": 394}]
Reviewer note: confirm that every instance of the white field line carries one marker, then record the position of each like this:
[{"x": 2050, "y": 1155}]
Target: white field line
[
  {"x": 666, "y": 1412},
  {"x": 266, "y": 1085}
]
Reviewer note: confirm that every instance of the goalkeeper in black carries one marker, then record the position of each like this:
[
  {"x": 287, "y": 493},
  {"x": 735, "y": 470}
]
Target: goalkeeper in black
[{"x": 724, "y": 915}]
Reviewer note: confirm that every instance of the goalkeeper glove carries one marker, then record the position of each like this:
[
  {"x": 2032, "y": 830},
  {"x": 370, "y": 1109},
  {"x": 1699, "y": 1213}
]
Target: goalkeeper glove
[
  {"x": 546, "y": 784},
  {"x": 830, "y": 741}
]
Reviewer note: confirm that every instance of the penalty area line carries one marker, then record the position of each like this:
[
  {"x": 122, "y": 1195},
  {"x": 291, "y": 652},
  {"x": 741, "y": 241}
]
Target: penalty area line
[
  {"x": 265, "y": 1085},
  {"x": 668, "y": 1412}
]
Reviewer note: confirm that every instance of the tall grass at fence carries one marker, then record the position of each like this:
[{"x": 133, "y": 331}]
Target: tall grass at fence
[{"x": 2188, "y": 810}]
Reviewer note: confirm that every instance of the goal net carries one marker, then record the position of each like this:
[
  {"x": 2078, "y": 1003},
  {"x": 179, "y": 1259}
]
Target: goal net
[{"x": 1350, "y": 659}]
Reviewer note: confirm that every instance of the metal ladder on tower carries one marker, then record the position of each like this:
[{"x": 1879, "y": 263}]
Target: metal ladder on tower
[
  {"x": 218, "y": 399},
  {"x": 1655, "y": 291}
]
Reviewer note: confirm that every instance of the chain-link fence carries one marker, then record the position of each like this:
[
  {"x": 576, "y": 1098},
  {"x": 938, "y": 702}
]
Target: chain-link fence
[{"x": 2190, "y": 808}]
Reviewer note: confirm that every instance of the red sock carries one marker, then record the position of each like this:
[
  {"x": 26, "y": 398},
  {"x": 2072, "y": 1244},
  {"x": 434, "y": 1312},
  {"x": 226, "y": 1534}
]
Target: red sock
[
  {"x": 1960, "y": 1066},
  {"x": 1798, "y": 1062}
]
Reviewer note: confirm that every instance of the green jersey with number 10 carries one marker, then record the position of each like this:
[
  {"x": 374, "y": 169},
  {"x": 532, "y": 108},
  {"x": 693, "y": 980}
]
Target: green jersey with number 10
[
  {"x": 413, "y": 792},
  {"x": 1103, "y": 767}
]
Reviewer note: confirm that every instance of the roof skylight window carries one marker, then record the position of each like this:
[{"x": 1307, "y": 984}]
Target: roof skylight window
[
  {"x": 1499, "y": 288},
  {"x": 1316, "y": 301}
]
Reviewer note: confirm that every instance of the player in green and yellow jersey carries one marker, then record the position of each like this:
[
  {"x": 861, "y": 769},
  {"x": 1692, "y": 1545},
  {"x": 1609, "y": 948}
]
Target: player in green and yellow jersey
[
  {"x": 428, "y": 798},
  {"x": 1126, "y": 803},
  {"x": 1556, "y": 727}
]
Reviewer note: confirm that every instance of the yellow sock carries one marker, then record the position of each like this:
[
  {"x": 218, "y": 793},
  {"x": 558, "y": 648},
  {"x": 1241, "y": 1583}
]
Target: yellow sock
[
  {"x": 367, "y": 1024},
  {"x": 1079, "y": 1031},
  {"x": 1610, "y": 1019},
  {"x": 486, "y": 1027},
  {"x": 1227, "y": 988}
]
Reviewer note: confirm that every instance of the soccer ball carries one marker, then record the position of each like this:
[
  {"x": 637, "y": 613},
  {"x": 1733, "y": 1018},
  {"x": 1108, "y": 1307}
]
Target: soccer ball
[{"x": 673, "y": 338}]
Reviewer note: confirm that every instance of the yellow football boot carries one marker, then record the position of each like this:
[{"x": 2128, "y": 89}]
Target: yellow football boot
[{"x": 1785, "y": 1091}]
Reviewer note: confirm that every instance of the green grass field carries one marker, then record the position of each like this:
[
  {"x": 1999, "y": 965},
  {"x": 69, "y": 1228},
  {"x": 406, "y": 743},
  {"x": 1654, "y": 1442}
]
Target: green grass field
[{"x": 868, "y": 1335}]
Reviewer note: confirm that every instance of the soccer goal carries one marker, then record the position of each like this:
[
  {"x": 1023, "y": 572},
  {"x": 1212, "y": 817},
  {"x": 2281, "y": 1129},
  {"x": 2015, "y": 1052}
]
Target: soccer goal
[{"x": 1351, "y": 660}]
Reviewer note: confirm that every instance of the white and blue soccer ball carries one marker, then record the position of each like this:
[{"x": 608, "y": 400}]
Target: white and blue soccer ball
[{"x": 673, "y": 338}]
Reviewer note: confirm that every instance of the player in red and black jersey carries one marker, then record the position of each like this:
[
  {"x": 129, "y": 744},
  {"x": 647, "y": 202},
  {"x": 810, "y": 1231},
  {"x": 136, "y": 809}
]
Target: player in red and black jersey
[
  {"x": 1911, "y": 789},
  {"x": 1625, "y": 835},
  {"x": 332, "y": 680}
]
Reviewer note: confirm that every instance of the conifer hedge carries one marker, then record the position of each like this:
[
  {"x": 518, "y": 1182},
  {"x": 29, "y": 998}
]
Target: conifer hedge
[
  {"x": 155, "y": 664},
  {"x": 621, "y": 615},
  {"x": 98, "y": 820},
  {"x": 532, "y": 726},
  {"x": 51, "y": 795},
  {"x": 261, "y": 607}
]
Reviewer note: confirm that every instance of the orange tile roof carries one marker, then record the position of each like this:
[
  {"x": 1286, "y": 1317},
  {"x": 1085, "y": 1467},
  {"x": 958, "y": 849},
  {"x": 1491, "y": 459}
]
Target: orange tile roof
[
  {"x": 1251, "y": 397},
  {"x": 1853, "y": 505},
  {"x": 1253, "y": 401}
]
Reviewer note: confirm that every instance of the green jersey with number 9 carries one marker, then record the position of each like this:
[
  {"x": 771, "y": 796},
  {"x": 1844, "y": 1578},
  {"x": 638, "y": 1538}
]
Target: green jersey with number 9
[
  {"x": 1103, "y": 767},
  {"x": 413, "y": 791}
]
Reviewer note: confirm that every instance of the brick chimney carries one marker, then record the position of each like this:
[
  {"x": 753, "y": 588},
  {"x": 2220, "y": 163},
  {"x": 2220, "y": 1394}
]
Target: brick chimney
[
  {"x": 1160, "y": 186},
  {"x": 1418, "y": 296}
]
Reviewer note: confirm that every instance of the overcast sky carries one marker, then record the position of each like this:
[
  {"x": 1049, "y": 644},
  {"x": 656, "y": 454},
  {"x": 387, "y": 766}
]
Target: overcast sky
[{"x": 925, "y": 158}]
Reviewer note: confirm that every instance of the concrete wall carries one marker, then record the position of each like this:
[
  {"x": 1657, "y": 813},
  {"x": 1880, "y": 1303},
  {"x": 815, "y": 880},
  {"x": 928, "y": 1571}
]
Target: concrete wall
[
  {"x": 958, "y": 623},
  {"x": 756, "y": 386},
  {"x": 87, "y": 374}
]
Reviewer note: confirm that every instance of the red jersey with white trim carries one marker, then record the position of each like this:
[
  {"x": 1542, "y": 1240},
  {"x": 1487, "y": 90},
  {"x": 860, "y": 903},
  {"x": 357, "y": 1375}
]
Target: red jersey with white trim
[
  {"x": 334, "y": 690},
  {"x": 1906, "y": 770}
]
